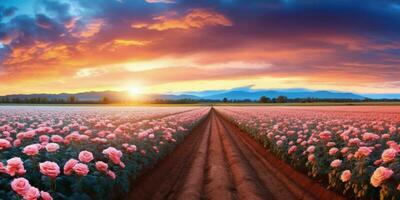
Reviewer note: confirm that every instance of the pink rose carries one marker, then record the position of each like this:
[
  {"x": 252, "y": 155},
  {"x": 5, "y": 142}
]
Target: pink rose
[
  {"x": 69, "y": 165},
  {"x": 15, "y": 166},
  {"x": 113, "y": 154},
  {"x": 378, "y": 162},
  {"x": 311, "y": 149},
  {"x": 325, "y": 135},
  {"x": 50, "y": 169},
  {"x": 52, "y": 147},
  {"x": 85, "y": 156},
  {"x": 336, "y": 163},
  {"x": 20, "y": 185},
  {"x": 101, "y": 166},
  {"x": 57, "y": 139},
  {"x": 31, "y": 150},
  {"x": 333, "y": 151},
  {"x": 31, "y": 194},
  {"x": 17, "y": 143},
  {"x": 4, "y": 144},
  {"x": 292, "y": 149},
  {"x": 346, "y": 175},
  {"x": 81, "y": 169},
  {"x": 43, "y": 138},
  {"x": 389, "y": 155},
  {"x": 311, "y": 158},
  {"x": 111, "y": 174},
  {"x": 344, "y": 150},
  {"x": 362, "y": 151},
  {"x": 380, "y": 175},
  {"x": 45, "y": 195}
]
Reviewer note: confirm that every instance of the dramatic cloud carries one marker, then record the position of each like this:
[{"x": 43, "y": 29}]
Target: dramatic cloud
[
  {"x": 196, "y": 18},
  {"x": 165, "y": 44}
]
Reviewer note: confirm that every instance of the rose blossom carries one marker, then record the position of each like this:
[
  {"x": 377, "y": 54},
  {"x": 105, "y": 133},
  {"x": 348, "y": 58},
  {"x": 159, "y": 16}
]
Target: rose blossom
[
  {"x": 85, "y": 156},
  {"x": 43, "y": 138},
  {"x": 81, "y": 169},
  {"x": 52, "y": 147},
  {"x": 101, "y": 166},
  {"x": 346, "y": 175},
  {"x": 45, "y": 195},
  {"x": 344, "y": 150},
  {"x": 380, "y": 175},
  {"x": 50, "y": 169},
  {"x": 333, "y": 151},
  {"x": 388, "y": 155},
  {"x": 57, "y": 139},
  {"x": 292, "y": 149},
  {"x": 4, "y": 144},
  {"x": 311, "y": 149},
  {"x": 114, "y": 155},
  {"x": 20, "y": 185},
  {"x": 325, "y": 135},
  {"x": 17, "y": 142},
  {"x": 111, "y": 174},
  {"x": 311, "y": 158},
  {"x": 31, "y": 150},
  {"x": 15, "y": 166},
  {"x": 336, "y": 163},
  {"x": 31, "y": 194},
  {"x": 362, "y": 151},
  {"x": 69, "y": 165},
  {"x": 378, "y": 162}
]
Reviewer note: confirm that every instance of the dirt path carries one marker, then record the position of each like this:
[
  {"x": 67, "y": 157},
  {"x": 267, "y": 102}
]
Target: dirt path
[{"x": 217, "y": 161}]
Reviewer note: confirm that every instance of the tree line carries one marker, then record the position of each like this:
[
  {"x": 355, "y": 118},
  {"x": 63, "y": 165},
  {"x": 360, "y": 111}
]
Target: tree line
[{"x": 106, "y": 100}]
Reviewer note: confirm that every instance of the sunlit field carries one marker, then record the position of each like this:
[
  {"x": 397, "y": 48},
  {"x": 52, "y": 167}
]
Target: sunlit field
[
  {"x": 353, "y": 150},
  {"x": 85, "y": 152}
]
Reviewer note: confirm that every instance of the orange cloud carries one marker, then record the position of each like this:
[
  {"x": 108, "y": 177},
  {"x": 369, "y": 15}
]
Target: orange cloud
[
  {"x": 118, "y": 43},
  {"x": 196, "y": 18},
  {"x": 91, "y": 29},
  {"x": 70, "y": 24}
]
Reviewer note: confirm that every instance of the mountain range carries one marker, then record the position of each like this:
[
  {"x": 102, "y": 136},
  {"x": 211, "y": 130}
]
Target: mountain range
[{"x": 239, "y": 93}]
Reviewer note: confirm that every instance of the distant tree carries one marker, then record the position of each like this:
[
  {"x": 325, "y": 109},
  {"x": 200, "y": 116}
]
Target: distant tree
[
  {"x": 264, "y": 99},
  {"x": 72, "y": 99},
  {"x": 225, "y": 100},
  {"x": 281, "y": 99},
  {"x": 105, "y": 100}
]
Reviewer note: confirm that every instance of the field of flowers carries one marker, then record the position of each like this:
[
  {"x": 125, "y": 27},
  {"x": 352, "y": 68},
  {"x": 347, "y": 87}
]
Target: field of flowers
[
  {"x": 85, "y": 152},
  {"x": 353, "y": 150}
]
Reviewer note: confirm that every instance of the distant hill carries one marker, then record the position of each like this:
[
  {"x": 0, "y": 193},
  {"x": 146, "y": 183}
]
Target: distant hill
[{"x": 241, "y": 93}]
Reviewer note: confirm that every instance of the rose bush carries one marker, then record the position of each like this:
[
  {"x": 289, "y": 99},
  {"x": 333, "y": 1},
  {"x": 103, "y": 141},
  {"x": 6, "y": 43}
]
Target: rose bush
[
  {"x": 85, "y": 152},
  {"x": 354, "y": 150}
]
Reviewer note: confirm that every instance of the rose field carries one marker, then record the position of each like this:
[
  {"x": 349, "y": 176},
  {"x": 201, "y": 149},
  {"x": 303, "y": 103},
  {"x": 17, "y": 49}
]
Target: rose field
[
  {"x": 85, "y": 152},
  {"x": 350, "y": 150},
  {"x": 199, "y": 152}
]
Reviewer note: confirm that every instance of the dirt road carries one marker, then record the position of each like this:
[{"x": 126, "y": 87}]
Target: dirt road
[{"x": 218, "y": 161}]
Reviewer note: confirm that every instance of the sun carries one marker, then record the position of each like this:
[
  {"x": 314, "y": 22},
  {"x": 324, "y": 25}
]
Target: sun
[{"x": 135, "y": 90}]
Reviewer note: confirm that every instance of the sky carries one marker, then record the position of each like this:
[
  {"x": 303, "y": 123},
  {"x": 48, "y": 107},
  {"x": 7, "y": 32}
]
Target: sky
[{"x": 163, "y": 46}]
